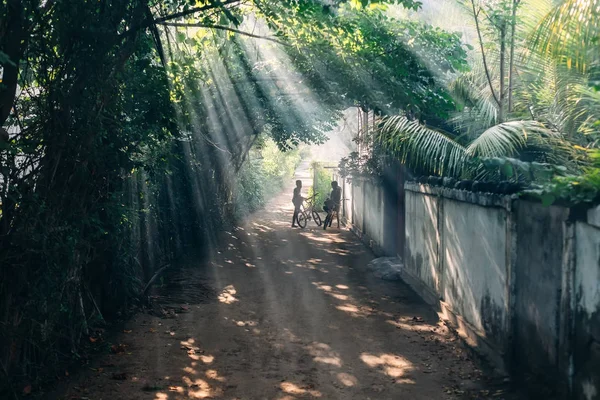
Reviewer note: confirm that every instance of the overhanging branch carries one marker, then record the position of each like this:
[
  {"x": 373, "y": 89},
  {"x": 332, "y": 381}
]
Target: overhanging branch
[
  {"x": 196, "y": 10},
  {"x": 148, "y": 23},
  {"x": 223, "y": 28}
]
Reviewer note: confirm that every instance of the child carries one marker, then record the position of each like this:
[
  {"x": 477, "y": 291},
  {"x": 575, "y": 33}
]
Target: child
[
  {"x": 332, "y": 204},
  {"x": 297, "y": 199}
]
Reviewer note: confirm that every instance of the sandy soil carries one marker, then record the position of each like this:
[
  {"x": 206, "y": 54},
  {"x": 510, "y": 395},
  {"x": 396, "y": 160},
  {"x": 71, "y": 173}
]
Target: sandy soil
[{"x": 283, "y": 313}]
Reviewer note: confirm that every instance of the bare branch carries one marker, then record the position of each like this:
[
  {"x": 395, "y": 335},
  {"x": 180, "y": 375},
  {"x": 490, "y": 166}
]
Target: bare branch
[
  {"x": 485, "y": 66},
  {"x": 195, "y": 10},
  {"x": 511, "y": 67},
  {"x": 147, "y": 23},
  {"x": 225, "y": 28}
]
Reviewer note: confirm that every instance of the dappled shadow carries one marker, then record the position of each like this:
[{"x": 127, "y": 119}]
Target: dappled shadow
[{"x": 294, "y": 315}]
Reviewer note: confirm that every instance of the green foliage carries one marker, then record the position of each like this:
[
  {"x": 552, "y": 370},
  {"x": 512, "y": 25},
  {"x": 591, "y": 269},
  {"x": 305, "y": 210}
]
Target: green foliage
[
  {"x": 569, "y": 33},
  {"x": 433, "y": 151},
  {"x": 512, "y": 169},
  {"x": 215, "y": 72},
  {"x": 263, "y": 177},
  {"x": 572, "y": 189},
  {"x": 420, "y": 146},
  {"x": 129, "y": 135},
  {"x": 97, "y": 185},
  {"x": 133, "y": 141},
  {"x": 527, "y": 129},
  {"x": 322, "y": 186},
  {"x": 364, "y": 57}
]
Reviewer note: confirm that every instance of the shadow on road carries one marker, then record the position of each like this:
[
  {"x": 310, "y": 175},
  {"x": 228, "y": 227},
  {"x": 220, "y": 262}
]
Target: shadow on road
[{"x": 286, "y": 314}]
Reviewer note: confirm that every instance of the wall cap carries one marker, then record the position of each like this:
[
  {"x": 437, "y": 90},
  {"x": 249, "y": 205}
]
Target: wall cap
[{"x": 482, "y": 199}]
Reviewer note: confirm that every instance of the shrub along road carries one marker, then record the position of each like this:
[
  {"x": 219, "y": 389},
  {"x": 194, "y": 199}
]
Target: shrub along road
[{"x": 281, "y": 313}]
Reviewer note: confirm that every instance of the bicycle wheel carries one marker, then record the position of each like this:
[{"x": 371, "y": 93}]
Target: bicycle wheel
[
  {"x": 316, "y": 217},
  {"x": 302, "y": 220}
]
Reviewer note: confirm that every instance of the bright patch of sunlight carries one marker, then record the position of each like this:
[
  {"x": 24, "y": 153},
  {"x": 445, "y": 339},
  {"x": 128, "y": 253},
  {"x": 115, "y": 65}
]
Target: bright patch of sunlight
[
  {"x": 246, "y": 323},
  {"x": 325, "y": 238},
  {"x": 342, "y": 297},
  {"x": 320, "y": 286},
  {"x": 161, "y": 396},
  {"x": 200, "y": 389},
  {"x": 214, "y": 375},
  {"x": 292, "y": 388},
  {"x": 207, "y": 359},
  {"x": 178, "y": 389},
  {"x": 391, "y": 365},
  {"x": 338, "y": 252},
  {"x": 322, "y": 353},
  {"x": 409, "y": 324},
  {"x": 227, "y": 295},
  {"x": 262, "y": 228},
  {"x": 355, "y": 311},
  {"x": 347, "y": 379},
  {"x": 329, "y": 290}
]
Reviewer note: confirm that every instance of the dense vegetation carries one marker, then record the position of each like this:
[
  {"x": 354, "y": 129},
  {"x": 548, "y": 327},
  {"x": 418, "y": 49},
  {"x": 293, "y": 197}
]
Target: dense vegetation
[
  {"x": 526, "y": 111},
  {"x": 129, "y": 135},
  {"x": 321, "y": 188},
  {"x": 263, "y": 177},
  {"x": 134, "y": 130}
]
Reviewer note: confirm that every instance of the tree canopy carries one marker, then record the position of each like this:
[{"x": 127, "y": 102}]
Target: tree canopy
[
  {"x": 124, "y": 123},
  {"x": 128, "y": 128}
]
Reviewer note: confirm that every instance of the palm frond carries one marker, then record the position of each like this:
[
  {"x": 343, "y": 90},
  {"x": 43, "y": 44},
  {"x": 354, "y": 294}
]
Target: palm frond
[
  {"x": 421, "y": 147},
  {"x": 480, "y": 109},
  {"x": 569, "y": 33},
  {"x": 508, "y": 138},
  {"x": 554, "y": 94}
]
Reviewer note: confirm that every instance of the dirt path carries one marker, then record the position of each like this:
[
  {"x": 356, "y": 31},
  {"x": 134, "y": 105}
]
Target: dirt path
[{"x": 292, "y": 314}]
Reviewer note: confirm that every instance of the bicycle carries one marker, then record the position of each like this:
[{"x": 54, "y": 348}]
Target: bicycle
[
  {"x": 309, "y": 212},
  {"x": 334, "y": 212}
]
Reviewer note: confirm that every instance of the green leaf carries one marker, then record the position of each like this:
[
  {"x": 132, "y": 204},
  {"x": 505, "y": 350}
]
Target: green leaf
[{"x": 547, "y": 199}]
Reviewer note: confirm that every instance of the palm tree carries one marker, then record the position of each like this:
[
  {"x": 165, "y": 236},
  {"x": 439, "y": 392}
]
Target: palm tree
[
  {"x": 553, "y": 110},
  {"x": 442, "y": 153}
]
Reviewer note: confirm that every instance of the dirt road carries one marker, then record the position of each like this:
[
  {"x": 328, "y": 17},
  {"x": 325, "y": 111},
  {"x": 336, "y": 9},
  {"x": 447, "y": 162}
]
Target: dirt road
[{"x": 283, "y": 313}]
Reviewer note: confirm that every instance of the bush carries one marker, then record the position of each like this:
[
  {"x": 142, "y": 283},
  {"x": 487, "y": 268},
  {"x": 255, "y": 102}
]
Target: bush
[
  {"x": 263, "y": 177},
  {"x": 572, "y": 189},
  {"x": 322, "y": 186}
]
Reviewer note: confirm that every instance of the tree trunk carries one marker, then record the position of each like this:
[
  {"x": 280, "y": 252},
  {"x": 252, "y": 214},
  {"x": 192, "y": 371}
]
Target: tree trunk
[
  {"x": 512, "y": 55},
  {"x": 12, "y": 34},
  {"x": 501, "y": 109},
  {"x": 485, "y": 65}
]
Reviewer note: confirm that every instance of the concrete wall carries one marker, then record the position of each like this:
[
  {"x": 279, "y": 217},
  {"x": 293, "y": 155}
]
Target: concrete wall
[
  {"x": 348, "y": 200},
  {"x": 586, "y": 347},
  {"x": 423, "y": 240},
  {"x": 370, "y": 213},
  {"x": 519, "y": 281},
  {"x": 475, "y": 267},
  {"x": 538, "y": 286},
  {"x": 374, "y": 211},
  {"x": 357, "y": 205}
]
